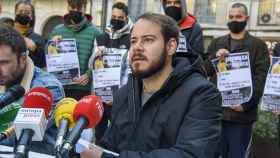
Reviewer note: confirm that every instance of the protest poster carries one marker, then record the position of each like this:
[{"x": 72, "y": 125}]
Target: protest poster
[
  {"x": 107, "y": 72},
  {"x": 62, "y": 60},
  {"x": 271, "y": 95},
  {"x": 234, "y": 79}
]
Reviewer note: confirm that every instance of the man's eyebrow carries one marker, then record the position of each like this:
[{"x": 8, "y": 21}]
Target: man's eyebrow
[{"x": 144, "y": 36}]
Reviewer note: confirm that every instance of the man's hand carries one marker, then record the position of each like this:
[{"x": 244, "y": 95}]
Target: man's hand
[
  {"x": 83, "y": 80},
  {"x": 221, "y": 53},
  {"x": 237, "y": 108},
  {"x": 92, "y": 153},
  {"x": 57, "y": 38},
  {"x": 98, "y": 53},
  {"x": 109, "y": 103},
  {"x": 30, "y": 44}
]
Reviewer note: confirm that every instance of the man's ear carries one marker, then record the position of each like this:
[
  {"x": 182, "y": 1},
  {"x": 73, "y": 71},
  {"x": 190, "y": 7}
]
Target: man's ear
[
  {"x": 23, "y": 59},
  {"x": 126, "y": 19},
  {"x": 171, "y": 46}
]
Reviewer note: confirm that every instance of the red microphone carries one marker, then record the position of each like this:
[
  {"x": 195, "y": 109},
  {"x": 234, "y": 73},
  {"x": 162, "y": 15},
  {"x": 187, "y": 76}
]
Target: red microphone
[
  {"x": 87, "y": 113},
  {"x": 40, "y": 98},
  {"x": 31, "y": 121}
]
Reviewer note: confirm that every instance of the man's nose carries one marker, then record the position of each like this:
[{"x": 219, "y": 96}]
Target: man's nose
[
  {"x": 74, "y": 9},
  {"x": 138, "y": 46}
]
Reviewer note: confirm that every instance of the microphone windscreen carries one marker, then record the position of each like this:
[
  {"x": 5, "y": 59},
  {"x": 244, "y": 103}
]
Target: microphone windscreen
[
  {"x": 11, "y": 95},
  {"x": 39, "y": 97},
  {"x": 91, "y": 108},
  {"x": 64, "y": 110}
]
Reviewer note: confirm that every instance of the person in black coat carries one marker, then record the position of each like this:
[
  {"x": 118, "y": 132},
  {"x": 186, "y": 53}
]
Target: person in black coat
[
  {"x": 191, "y": 36},
  {"x": 167, "y": 109},
  {"x": 24, "y": 23},
  {"x": 276, "y": 53}
]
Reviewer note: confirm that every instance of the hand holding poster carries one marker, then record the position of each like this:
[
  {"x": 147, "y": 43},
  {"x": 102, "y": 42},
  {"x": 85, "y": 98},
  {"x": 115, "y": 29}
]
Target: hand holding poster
[
  {"x": 62, "y": 60},
  {"x": 271, "y": 96},
  {"x": 234, "y": 79}
]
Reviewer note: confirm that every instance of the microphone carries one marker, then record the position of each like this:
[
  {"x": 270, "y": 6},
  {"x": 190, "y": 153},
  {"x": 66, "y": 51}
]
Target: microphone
[
  {"x": 87, "y": 113},
  {"x": 30, "y": 122},
  {"x": 7, "y": 133},
  {"x": 11, "y": 95},
  {"x": 64, "y": 119}
]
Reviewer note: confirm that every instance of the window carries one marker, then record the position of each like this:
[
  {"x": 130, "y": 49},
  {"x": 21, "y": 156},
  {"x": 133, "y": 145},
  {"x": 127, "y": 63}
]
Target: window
[
  {"x": 205, "y": 11},
  {"x": 269, "y": 12}
]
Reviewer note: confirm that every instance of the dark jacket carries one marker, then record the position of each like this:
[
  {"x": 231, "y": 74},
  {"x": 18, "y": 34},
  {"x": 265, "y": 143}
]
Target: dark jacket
[
  {"x": 180, "y": 120},
  {"x": 276, "y": 50},
  {"x": 259, "y": 62},
  {"x": 38, "y": 55},
  {"x": 192, "y": 31}
]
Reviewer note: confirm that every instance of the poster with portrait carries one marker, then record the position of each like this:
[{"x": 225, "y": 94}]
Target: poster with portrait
[
  {"x": 183, "y": 44},
  {"x": 62, "y": 60},
  {"x": 271, "y": 95},
  {"x": 234, "y": 79},
  {"x": 107, "y": 72}
]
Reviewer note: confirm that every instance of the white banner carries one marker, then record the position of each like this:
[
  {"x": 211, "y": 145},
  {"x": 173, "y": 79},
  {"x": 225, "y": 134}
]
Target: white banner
[
  {"x": 234, "y": 79},
  {"x": 62, "y": 60},
  {"x": 271, "y": 96}
]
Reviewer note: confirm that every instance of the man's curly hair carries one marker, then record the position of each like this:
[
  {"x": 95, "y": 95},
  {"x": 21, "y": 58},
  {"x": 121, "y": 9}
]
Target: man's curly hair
[
  {"x": 79, "y": 4},
  {"x": 12, "y": 38}
]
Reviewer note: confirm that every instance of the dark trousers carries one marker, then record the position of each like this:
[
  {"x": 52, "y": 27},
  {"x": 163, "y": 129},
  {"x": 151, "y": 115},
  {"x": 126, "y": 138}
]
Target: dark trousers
[{"x": 235, "y": 139}]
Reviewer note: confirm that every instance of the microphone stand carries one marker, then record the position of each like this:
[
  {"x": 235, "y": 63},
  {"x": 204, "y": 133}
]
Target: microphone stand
[{"x": 22, "y": 148}]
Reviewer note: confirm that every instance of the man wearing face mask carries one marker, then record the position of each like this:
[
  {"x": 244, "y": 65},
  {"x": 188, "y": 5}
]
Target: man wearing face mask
[
  {"x": 24, "y": 23},
  {"x": 114, "y": 40},
  {"x": 78, "y": 25},
  {"x": 238, "y": 120},
  {"x": 191, "y": 33}
]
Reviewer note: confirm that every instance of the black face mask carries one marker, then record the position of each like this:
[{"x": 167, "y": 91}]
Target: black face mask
[
  {"x": 117, "y": 24},
  {"x": 174, "y": 12},
  {"x": 75, "y": 16},
  {"x": 236, "y": 26},
  {"x": 23, "y": 19}
]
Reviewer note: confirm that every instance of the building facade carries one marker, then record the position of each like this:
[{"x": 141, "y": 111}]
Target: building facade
[{"x": 212, "y": 15}]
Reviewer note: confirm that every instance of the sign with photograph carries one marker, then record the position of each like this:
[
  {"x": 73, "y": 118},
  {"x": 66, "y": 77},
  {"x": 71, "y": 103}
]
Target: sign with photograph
[
  {"x": 271, "y": 96},
  {"x": 107, "y": 72},
  {"x": 234, "y": 79},
  {"x": 62, "y": 60}
]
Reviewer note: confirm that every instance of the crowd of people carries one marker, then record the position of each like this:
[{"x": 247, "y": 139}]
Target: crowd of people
[{"x": 166, "y": 105}]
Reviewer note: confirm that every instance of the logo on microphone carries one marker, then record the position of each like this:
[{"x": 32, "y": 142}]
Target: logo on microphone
[
  {"x": 100, "y": 108},
  {"x": 86, "y": 100},
  {"x": 39, "y": 94}
]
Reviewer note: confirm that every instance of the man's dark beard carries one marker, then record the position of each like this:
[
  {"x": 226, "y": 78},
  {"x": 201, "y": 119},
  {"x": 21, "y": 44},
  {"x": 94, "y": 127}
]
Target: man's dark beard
[
  {"x": 158, "y": 66},
  {"x": 18, "y": 78}
]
